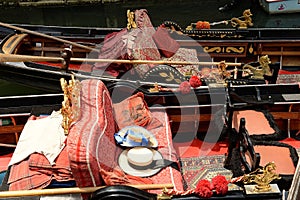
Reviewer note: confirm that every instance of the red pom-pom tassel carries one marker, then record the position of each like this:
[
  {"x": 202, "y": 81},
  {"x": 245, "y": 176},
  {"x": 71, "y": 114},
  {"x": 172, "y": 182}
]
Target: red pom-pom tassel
[
  {"x": 204, "y": 189},
  {"x": 185, "y": 87},
  {"x": 220, "y": 185},
  {"x": 202, "y": 25},
  {"x": 195, "y": 81}
]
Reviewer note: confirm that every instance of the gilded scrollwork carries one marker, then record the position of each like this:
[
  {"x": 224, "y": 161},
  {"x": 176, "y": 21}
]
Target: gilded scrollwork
[
  {"x": 130, "y": 20},
  {"x": 212, "y": 49},
  {"x": 71, "y": 104},
  {"x": 229, "y": 49},
  {"x": 235, "y": 50}
]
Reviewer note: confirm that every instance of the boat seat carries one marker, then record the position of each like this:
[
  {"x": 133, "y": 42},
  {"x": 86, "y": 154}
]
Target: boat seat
[
  {"x": 11, "y": 128},
  {"x": 249, "y": 103},
  {"x": 260, "y": 123},
  {"x": 97, "y": 164},
  {"x": 249, "y": 155},
  {"x": 12, "y": 43}
]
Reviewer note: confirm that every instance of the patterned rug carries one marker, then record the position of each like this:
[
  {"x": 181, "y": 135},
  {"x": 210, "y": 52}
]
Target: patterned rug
[{"x": 194, "y": 169}]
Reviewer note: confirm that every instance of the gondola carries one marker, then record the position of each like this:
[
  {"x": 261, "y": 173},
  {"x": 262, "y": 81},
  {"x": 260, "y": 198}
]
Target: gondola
[
  {"x": 183, "y": 111},
  {"x": 41, "y": 54},
  {"x": 102, "y": 124}
]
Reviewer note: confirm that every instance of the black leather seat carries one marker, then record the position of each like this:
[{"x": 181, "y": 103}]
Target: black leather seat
[{"x": 247, "y": 155}]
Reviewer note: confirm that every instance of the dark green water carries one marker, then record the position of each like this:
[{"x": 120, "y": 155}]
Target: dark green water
[{"x": 114, "y": 15}]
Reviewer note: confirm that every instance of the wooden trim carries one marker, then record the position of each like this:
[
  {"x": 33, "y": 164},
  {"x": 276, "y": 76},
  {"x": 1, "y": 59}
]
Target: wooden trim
[
  {"x": 12, "y": 43},
  {"x": 11, "y": 129},
  {"x": 190, "y": 118},
  {"x": 279, "y": 53},
  {"x": 286, "y": 115},
  {"x": 74, "y": 190},
  {"x": 54, "y": 49}
]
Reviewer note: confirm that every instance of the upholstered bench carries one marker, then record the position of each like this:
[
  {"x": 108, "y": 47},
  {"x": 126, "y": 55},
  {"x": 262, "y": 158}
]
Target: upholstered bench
[{"x": 92, "y": 149}]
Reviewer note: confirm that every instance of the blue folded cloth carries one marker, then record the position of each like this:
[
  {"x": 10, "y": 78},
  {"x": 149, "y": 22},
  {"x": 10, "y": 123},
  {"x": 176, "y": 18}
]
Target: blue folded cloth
[{"x": 131, "y": 138}]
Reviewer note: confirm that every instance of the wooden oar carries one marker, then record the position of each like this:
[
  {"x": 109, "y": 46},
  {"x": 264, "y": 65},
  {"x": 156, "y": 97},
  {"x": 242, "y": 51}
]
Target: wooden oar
[
  {"x": 47, "y": 36},
  {"x": 157, "y": 62},
  {"x": 26, "y": 58},
  {"x": 74, "y": 190}
]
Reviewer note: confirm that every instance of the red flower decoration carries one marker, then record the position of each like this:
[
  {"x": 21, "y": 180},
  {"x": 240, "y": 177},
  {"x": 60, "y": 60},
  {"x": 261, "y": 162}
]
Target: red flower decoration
[
  {"x": 220, "y": 184},
  {"x": 185, "y": 87},
  {"x": 195, "y": 81},
  {"x": 204, "y": 189},
  {"x": 202, "y": 25}
]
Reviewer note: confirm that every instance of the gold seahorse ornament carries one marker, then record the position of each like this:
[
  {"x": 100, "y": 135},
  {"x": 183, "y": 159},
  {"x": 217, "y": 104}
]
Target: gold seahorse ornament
[{"x": 262, "y": 177}]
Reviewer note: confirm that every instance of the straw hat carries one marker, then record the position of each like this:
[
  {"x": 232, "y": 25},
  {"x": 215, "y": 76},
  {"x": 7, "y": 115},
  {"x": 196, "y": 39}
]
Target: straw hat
[
  {"x": 137, "y": 161},
  {"x": 133, "y": 136}
]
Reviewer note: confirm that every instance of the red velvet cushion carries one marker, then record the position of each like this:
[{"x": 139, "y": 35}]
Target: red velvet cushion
[
  {"x": 256, "y": 122},
  {"x": 134, "y": 111},
  {"x": 284, "y": 163},
  {"x": 166, "y": 45}
]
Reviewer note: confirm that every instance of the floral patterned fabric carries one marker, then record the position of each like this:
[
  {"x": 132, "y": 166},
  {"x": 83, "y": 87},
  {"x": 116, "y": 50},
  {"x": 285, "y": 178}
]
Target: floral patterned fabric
[
  {"x": 134, "y": 111},
  {"x": 165, "y": 43},
  {"x": 188, "y": 55},
  {"x": 115, "y": 46},
  {"x": 144, "y": 47},
  {"x": 134, "y": 44}
]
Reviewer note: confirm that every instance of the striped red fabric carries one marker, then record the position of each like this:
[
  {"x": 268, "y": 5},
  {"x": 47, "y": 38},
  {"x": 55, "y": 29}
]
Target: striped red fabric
[
  {"x": 93, "y": 151},
  {"x": 37, "y": 173},
  {"x": 88, "y": 135}
]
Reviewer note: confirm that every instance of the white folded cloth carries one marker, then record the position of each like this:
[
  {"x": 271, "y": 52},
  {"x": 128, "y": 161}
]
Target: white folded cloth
[{"x": 44, "y": 135}]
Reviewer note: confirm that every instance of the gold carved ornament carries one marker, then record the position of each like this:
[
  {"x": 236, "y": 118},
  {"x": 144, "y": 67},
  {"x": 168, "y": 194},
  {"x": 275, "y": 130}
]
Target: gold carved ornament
[
  {"x": 219, "y": 49},
  {"x": 130, "y": 20},
  {"x": 262, "y": 177},
  {"x": 235, "y": 50},
  {"x": 259, "y": 71},
  {"x": 71, "y": 104},
  {"x": 242, "y": 22}
]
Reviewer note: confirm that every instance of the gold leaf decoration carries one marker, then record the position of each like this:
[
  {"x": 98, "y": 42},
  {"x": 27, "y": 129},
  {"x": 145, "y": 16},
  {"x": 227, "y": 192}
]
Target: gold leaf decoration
[
  {"x": 171, "y": 76},
  {"x": 178, "y": 80},
  {"x": 163, "y": 74},
  {"x": 213, "y": 49},
  {"x": 235, "y": 49},
  {"x": 70, "y": 109},
  {"x": 251, "y": 49}
]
